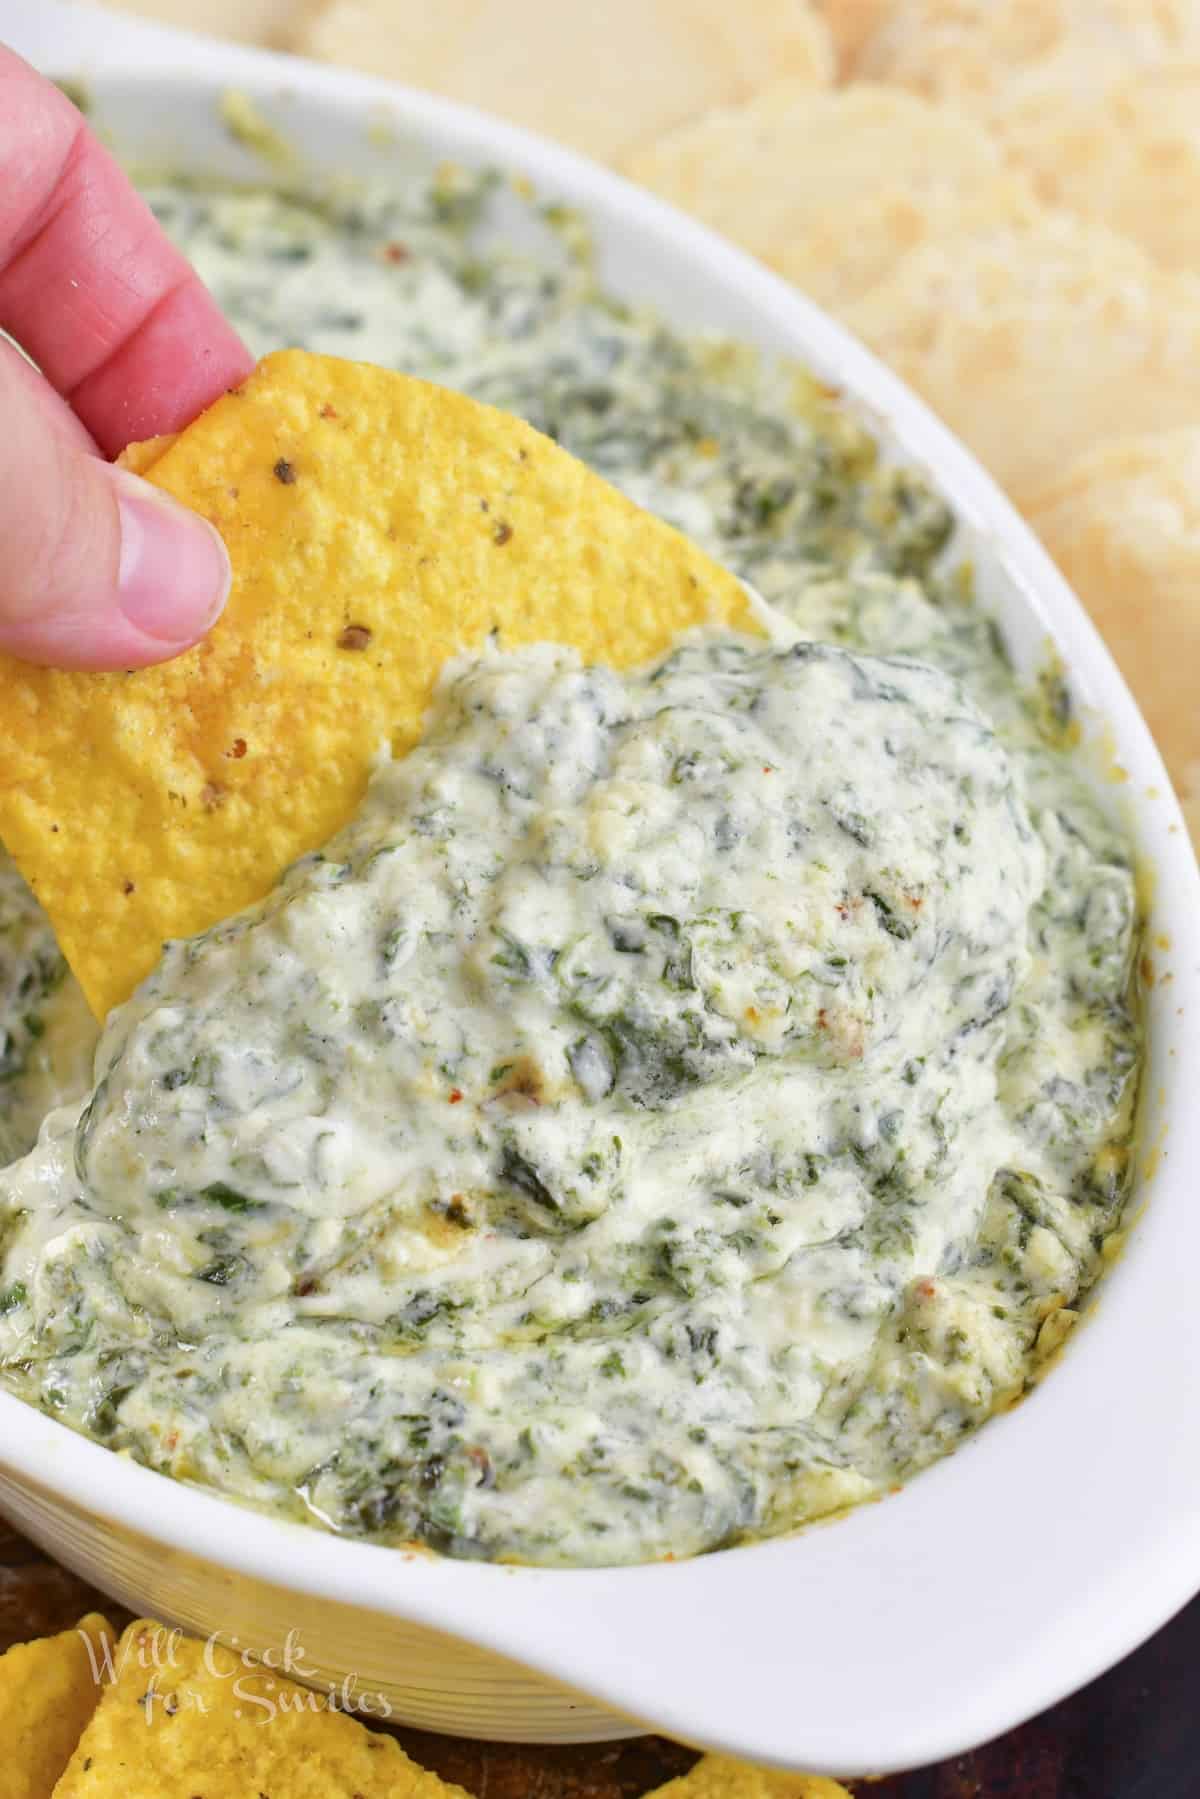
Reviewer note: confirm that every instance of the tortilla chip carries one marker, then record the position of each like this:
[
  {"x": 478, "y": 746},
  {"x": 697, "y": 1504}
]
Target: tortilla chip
[
  {"x": 718, "y": 1777},
  {"x": 832, "y": 189},
  {"x": 48, "y": 1691},
  {"x": 185, "y": 1717},
  {"x": 1118, "y": 145},
  {"x": 1123, "y": 524},
  {"x": 1035, "y": 343},
  {"x": 971, "y": 50},
  {"x": 377, "y": 525},
  {"x": 138, "y": 458},
  {"x": 600, "y": 78}
]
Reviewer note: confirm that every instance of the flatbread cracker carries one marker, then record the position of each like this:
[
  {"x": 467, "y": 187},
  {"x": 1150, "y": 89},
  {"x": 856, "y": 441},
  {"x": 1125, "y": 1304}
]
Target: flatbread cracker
[
  {"x": 1123, "y": 524},
  {"x": 190, "y": 1718},
  {"x": 1114, "y": 144},
  {"x": 48, "y": 1691},
  {"x": 972, "y": 50},
  {"x": 832, "y": 188},
  {"x": 600, "y": 78},
  {"x": 246, "y": 21},
  {"x": 852, "y": 24},
  {"x": 377, "y": 525},
  {"x": 1036, "y": 343},
  {"x": 719, "y": 1777}
]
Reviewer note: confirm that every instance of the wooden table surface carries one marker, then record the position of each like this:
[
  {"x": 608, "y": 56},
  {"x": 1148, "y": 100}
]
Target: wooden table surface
[{"x": 1134, "y": 1734}]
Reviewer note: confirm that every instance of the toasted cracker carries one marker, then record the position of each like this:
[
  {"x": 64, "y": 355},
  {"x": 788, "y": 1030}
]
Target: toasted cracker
[
  {"x": 48, "y": 1691},
  {"x": 1123, "y": 524},
  {"x": 246, "y": 21},
  {"x": 377, "y": 525},
  {"x": 600, "y": 78},
  {"x": 719, "y": 1777},
  {"x": 972, "y": 50},
  {"x": 1036, "y": 343},
  {"x": 832, "y": 188},
  {"x": 852, "y": 25},
  {"x": 185, "y": 1717},
  {"x": 1114, "y": 144}
]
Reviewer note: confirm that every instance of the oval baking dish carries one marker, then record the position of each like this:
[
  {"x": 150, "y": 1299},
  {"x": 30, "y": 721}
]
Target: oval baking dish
[{"x": 1038, "y": 1554}]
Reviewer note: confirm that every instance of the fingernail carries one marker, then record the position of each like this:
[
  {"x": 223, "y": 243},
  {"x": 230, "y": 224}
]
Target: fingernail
[{"x": 174, "y": 574}]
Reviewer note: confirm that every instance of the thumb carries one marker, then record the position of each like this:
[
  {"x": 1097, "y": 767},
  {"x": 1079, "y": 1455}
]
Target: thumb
[{"x": 100, "y": 570}]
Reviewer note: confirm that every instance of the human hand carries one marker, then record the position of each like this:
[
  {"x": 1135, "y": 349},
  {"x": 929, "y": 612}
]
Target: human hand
[{"x": 98, "y": 569}]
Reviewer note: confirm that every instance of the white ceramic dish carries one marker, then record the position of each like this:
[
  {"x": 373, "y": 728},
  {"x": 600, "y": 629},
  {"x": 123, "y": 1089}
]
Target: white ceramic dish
[{"x": 1046, "y": 1548}]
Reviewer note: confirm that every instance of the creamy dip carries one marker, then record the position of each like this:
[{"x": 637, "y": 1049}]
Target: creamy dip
[{"x": 681, "y": 1103}]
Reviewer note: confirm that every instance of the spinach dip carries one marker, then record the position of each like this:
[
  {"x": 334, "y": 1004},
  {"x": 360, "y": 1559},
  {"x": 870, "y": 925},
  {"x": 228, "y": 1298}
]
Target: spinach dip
[{"x": 681, "y": 1103}]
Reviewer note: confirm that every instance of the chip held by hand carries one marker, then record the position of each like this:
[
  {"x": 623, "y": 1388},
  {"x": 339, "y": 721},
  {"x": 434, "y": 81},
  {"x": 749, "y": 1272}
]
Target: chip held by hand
[{"x": 377, "y": 526}]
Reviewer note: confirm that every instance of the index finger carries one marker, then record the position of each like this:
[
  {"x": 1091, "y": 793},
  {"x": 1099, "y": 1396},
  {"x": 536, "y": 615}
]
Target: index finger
[{"x": 116, "y": 317}]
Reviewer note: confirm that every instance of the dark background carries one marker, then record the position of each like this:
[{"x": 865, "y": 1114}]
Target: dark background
[{"x": 1133, "y": 1734}]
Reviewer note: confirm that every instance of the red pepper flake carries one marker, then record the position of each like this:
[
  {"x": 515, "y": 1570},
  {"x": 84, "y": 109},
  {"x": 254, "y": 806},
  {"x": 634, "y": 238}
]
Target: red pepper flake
[
  {"x": 237, "y": 749},
  {"x": 767, "y": 769},
  {"x": 355, "y": 637},
  {"x": 395, "y": 252},
  {"x": 503, "y": 532},
  {"x": 482, "y": 1461},
  {"x": 455, "y": 1096},
  {"x": 285, "y": 471},
  {"x": 328, "y": 412}
]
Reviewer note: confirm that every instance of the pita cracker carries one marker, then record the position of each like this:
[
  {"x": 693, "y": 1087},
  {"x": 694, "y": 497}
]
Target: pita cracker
[
  {"x": 1114, "y": 144},
  {"x": 600, "y": 78},
  {"x": 972, "y": 50},
  {"x": 1036, "y": 343},
  {"x": 852, "y": 24},
  {"x": 1123, "y": 524},
  {"x": 831, "y": 189},
  {"x": 246, "y": 21}
]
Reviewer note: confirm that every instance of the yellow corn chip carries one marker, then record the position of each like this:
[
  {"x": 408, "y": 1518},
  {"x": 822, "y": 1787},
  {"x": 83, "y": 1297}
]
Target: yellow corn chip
[
  {"x": 717, "y": 1777},
  {"x": 140, "y": 458},
  {"x": 377, "y": 525},
  {"x": 185, "y": 1717},
  {"x": 48, "y": 1691}
]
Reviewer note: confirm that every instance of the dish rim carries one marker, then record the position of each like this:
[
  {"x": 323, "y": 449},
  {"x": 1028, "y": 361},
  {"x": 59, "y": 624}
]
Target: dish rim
[{"x": 533, "y": 1616}]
